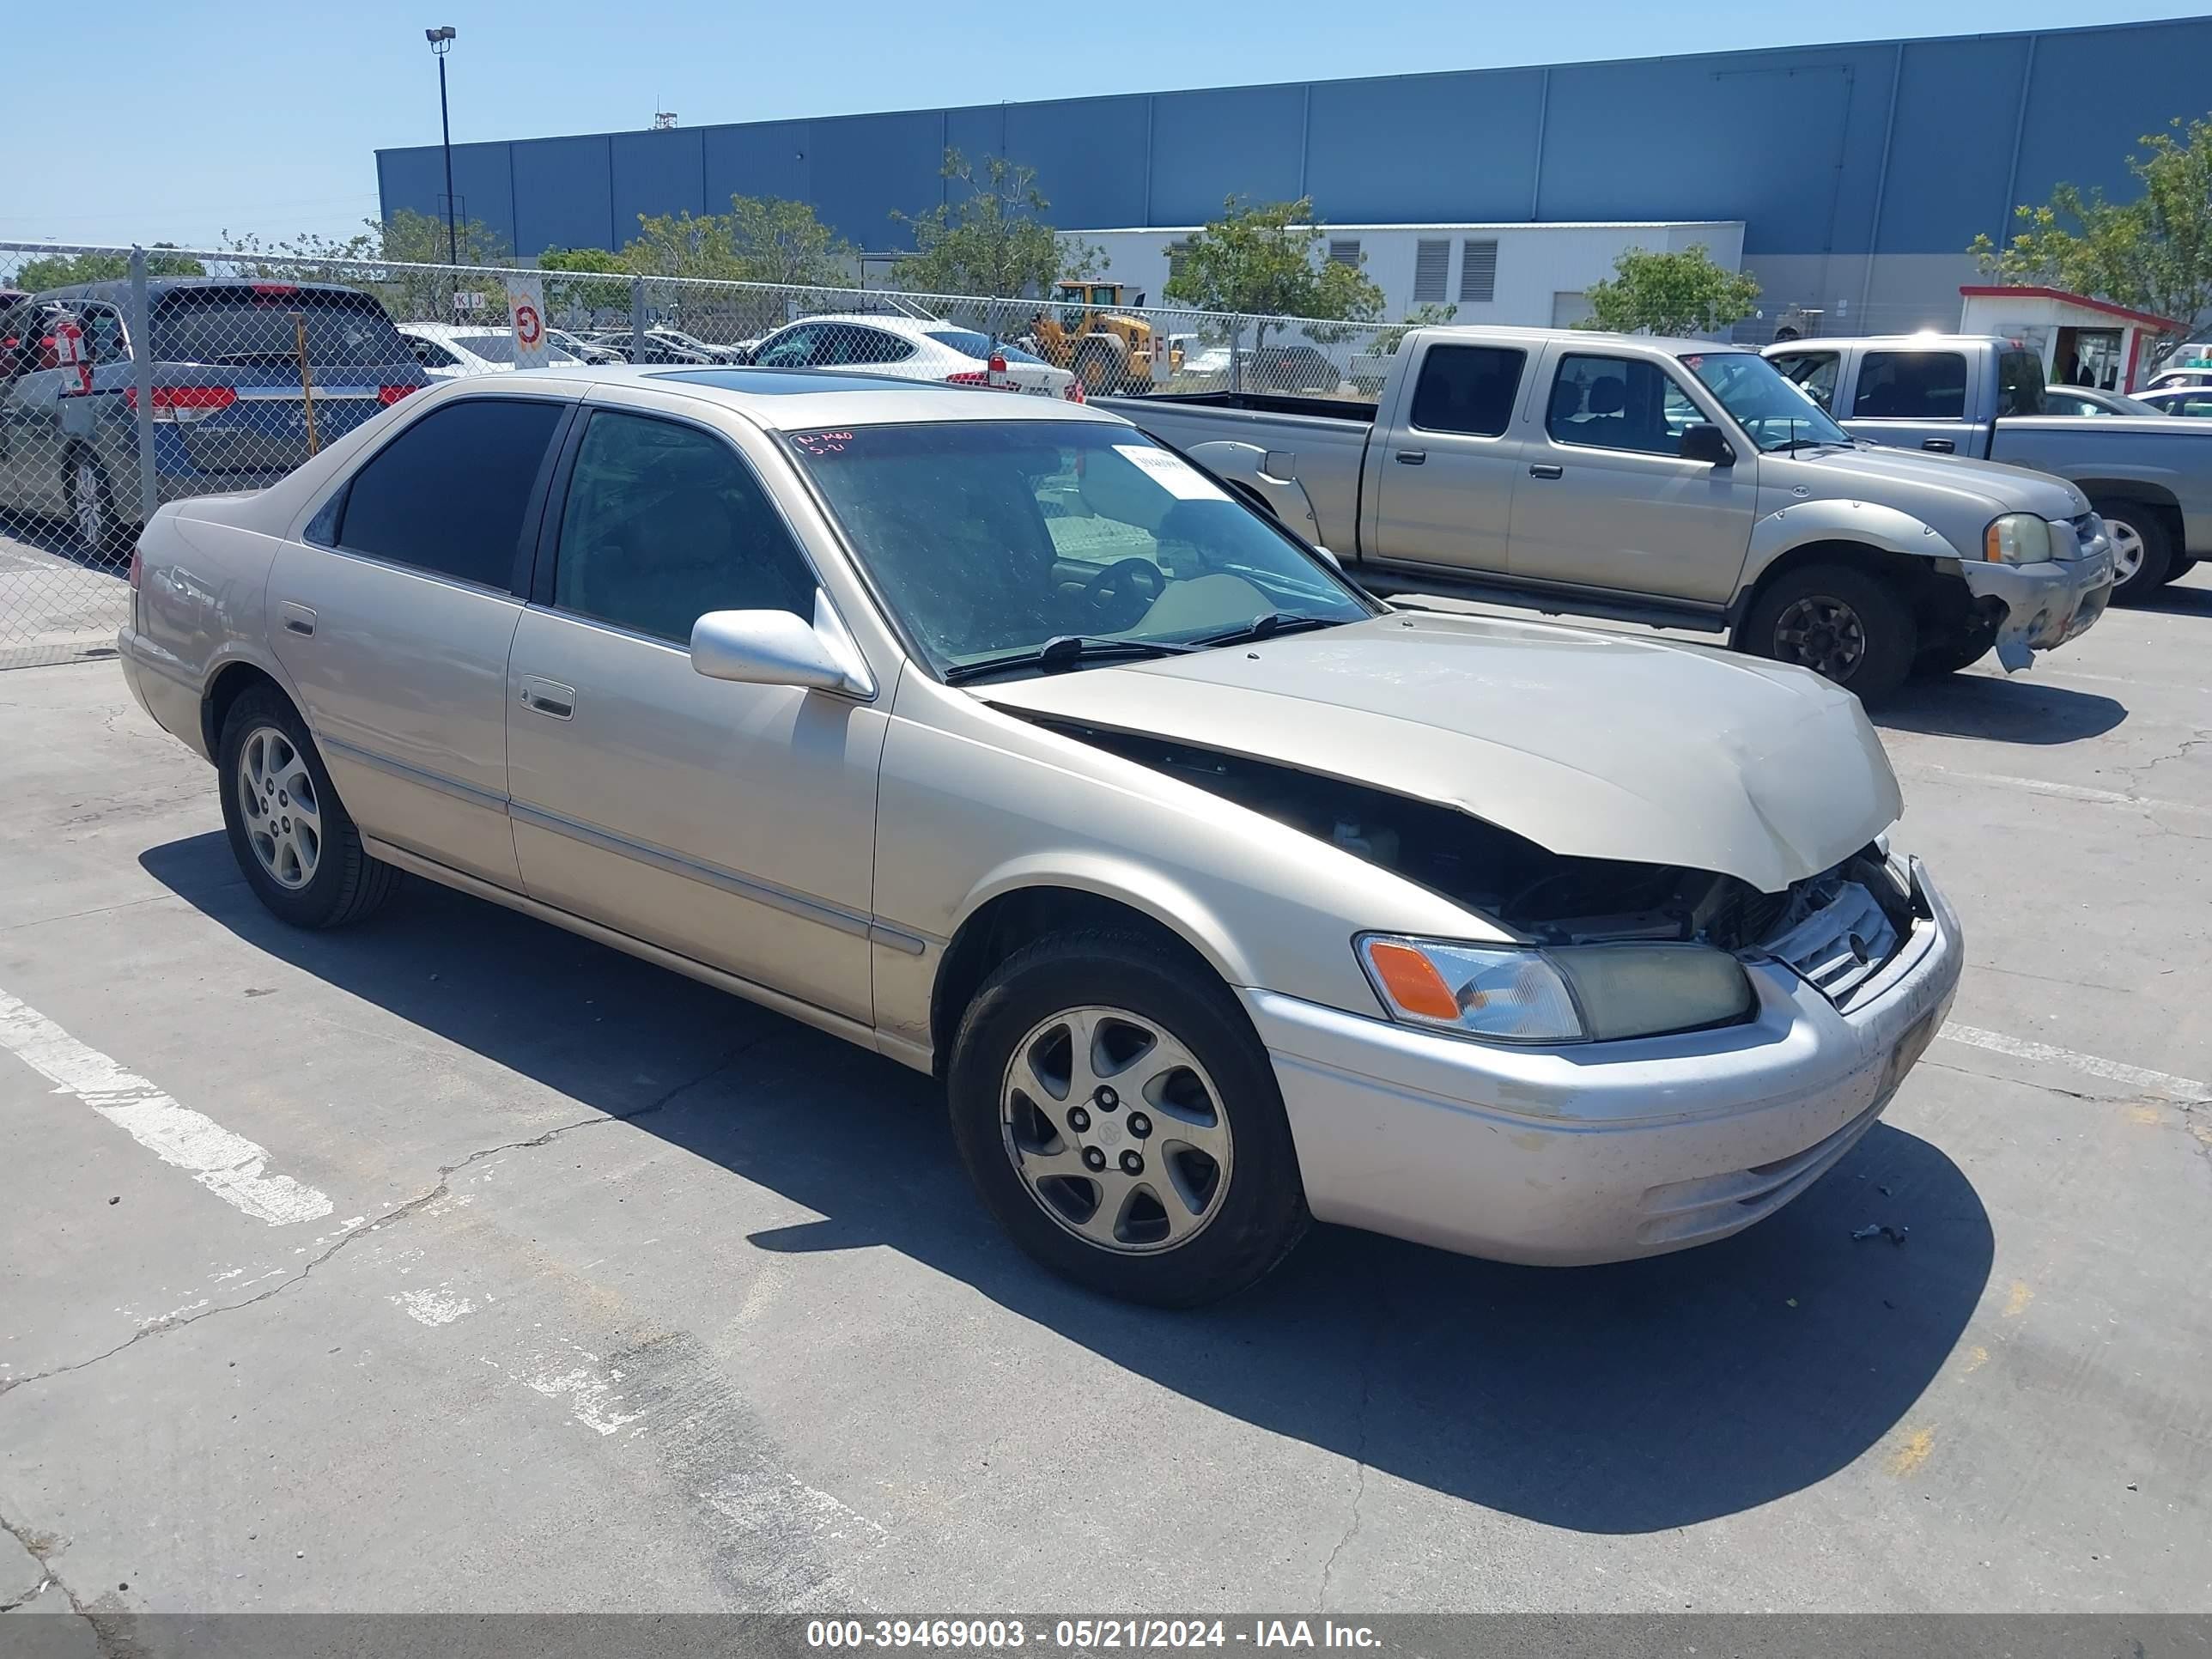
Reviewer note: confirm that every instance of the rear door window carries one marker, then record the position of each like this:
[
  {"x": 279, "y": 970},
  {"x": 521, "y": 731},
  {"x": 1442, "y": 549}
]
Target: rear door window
[
  {"x": 1911, "y": 385},
  {"x": 449, "y": 494},
  {"x": 257, "y": 326},
  {"x": 1468, "y": 389},
  {"x": 2020, "y": 384}
]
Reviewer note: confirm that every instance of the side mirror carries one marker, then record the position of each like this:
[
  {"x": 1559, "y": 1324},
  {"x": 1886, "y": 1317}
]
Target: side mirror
[
  {"x": 1703, "y": 441},
  {"x": 775, "y": 647}
]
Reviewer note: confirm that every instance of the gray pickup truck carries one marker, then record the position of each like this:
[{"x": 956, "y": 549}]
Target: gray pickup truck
[
  {"x": 1978, "y": 396},
  {"x": 1674, "y": 482}
]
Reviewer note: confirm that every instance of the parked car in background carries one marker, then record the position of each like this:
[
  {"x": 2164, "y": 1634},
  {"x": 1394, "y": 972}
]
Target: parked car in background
[
  {"x": 994, "y": 737},
  {"x": 583, "y": 350},
  {"x": 449, "y": 350},
  {"x": 682, "y": 347},
  {"x": 228, "y": 410},
  {"x": 1296, "y": 369},
  {"x": 1674, "y": 482},
  {"x": 2180, "y": 403},
  {"x": 1981, "y": 396},
  {"x": 913, "y": 349},
  {"x": 2088, "y": 400}
]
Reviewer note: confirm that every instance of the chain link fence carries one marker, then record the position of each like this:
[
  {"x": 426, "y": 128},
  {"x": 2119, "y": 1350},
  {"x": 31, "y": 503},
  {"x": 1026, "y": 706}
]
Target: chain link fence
[{"x": 153, "y": 374}]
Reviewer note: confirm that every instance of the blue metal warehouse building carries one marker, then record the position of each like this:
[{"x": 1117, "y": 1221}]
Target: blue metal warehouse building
[{"x": 1861, "y": 172}]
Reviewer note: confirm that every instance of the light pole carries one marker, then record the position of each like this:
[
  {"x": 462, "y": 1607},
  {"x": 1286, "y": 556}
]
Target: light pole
[{"x": 442, "y": 42}]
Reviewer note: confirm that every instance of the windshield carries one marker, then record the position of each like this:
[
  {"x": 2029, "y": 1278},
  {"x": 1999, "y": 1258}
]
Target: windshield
[
  {"x": 973, "y": 344},
  {"x": 1773, "y": 413},
  {"x": 990, "y": 538}
]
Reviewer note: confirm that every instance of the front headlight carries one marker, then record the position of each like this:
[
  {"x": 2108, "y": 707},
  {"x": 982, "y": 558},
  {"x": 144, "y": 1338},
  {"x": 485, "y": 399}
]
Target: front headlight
[
  {"x": 1575, "y": 993},
  {"x": 2016, "y": 538}
]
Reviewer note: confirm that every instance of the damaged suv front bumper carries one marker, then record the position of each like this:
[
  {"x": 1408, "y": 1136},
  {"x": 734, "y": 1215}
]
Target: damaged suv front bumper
[
  {"x": 2044, "y": 605},
  {"x": 1604, "y": 1151}
]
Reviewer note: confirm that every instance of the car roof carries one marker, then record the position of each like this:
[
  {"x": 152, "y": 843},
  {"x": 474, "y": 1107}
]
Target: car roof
[
  {"x": 891, "y": 321},
  {"x": 115, "y": 291},
  {"x": 1923, "y": 342},
  {"x": 1674, "y": 344},
  {"x": 804, "y": 399}
]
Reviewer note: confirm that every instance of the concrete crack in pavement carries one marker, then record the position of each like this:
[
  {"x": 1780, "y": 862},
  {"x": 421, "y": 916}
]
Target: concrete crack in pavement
[
  {"x": 1359, "y": 1458},
  {"x": 400, "y": 1212},
  {"x": 39, "y": 1546}
]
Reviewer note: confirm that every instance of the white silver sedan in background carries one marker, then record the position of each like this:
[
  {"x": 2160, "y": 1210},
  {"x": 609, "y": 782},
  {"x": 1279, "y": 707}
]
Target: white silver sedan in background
[
  {"x": 990, "y": 734},
  {"x": 451, "y": 351},
  {"x": 914, "y": 349}
]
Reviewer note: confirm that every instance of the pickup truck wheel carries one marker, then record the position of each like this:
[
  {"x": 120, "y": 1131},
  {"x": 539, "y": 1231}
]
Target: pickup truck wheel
[
  {"x": 2178, "y": 567},
  {"x": 2142, "y": 552},
  {"x": 290, "y": 834},
  {"x": 1119, "y": 1116},
  {"x": 1841, "y": 622}
]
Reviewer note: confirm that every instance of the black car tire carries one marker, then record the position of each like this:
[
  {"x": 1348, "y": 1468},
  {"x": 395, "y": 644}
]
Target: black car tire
[
  {"x": 347, "y": 884},
  {"x": 1261, "y": 1212}
]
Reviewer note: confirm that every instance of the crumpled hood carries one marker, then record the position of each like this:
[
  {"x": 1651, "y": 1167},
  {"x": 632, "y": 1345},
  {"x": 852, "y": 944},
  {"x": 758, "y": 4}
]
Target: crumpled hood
[
  {"x": 1994, "y": 486},
  {"x": 1592, "y": 744}
]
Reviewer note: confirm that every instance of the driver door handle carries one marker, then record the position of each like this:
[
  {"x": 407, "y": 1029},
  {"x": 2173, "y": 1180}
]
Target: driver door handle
[
  {"x": 1411, "y": 457},
  {"x": 549, "y": 697},
  {"x": 1546, "y": 470},
  {"x": 1941, "y": 446}
]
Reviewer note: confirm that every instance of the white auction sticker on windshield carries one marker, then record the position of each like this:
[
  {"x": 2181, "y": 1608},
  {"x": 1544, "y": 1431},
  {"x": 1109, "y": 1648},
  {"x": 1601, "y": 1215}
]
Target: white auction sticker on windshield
[{"x": 1172, "y": 473}]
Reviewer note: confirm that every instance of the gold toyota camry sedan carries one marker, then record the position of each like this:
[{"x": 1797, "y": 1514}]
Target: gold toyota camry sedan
[{"x": 988, "y": 733}]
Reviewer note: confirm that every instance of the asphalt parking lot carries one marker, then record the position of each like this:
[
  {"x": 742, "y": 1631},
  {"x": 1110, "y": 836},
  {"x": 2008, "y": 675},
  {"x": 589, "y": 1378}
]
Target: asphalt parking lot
[{"x": 563, "y": 1283}]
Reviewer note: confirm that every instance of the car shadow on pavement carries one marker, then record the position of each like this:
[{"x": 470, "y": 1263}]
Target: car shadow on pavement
[
  {"x": 2000, "y": 710},
  {"x": 2182, "y": 599},
  {"x": 1613, "y": 1399}
]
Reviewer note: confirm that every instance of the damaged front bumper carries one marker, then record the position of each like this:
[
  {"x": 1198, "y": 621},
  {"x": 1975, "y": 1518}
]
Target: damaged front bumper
[
  {"x": 2044, "y": 604},
  {"x": 1606, "y": 1152}
]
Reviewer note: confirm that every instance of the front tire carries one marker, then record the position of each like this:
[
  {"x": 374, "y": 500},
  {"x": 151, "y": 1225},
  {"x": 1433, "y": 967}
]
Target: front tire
[
  {"x": 1119, "y": 1116},
  {"x": 2142, "y": 552},
  {"x": 289, "y": 830},
  {"x": 1840, "y": 621}
]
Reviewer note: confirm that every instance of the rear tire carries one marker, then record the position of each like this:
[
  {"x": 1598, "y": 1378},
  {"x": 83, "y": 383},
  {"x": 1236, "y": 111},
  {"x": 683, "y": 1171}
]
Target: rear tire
[
  {"x": 274, "y": 787},
  {"x": 92, "y": 507},
  {"x": 2143, "y": 551},
  {"x": 2178, "y": 567},
  {"x": 1200, "y": 1145},
  {"x": 1840, "y": 621}
]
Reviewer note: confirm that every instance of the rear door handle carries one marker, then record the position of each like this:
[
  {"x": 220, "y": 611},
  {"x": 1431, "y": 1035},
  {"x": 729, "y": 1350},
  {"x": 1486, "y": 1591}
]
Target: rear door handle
[
  {"x": 1411, "y": 457},
  {"x": 549, "y": 697},
  {"x": 298, "y": 618},
  {"x": 1546, "y": 470},
  {"x": 1940, "y": 445}
]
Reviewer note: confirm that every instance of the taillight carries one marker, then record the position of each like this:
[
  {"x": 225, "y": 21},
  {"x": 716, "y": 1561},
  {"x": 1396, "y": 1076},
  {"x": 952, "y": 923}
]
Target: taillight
[
  {"x": 274, "y": 291},
  {"x": 389, "y": 395},
  {"x": 134, "y": 568},
  {"x": 1074, "y": 392},
  {"x": 184, "y": 402},
  {"x": 968, "y": 378}
]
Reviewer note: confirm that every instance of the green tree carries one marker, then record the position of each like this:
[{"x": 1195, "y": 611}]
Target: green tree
[
  {"x": 762, "y": 238},
  {"x": 1267, "y": 262},
  {"x": 1429, "y": 315},
  {"x": 2153, "y": 253},
  {"x": 991, "y": 238},
  {"x": 363, "y": 260},
  {"x": 1679, "y": 293},
  {"x": 575, "y": 294},
  {"x": 66, "y": 271}
]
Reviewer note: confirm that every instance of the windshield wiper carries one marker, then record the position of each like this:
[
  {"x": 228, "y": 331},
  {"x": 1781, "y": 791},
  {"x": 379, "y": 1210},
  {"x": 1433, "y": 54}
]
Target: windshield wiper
[
  {"x": 1806, "y": 443},
  {"x": 1063, "y": 651},
  {"x": 1266, "y": 626}
]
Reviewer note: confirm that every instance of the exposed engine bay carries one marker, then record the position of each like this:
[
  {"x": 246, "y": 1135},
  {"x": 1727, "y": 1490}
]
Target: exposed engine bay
[{"x": 1553, "y": 898}]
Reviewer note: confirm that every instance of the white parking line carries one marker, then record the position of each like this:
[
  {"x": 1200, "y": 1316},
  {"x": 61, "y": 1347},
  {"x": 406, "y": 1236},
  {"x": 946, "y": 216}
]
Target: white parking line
[
  {"x": 230, "y": 1166},
  {"x": 2187, "y": 1089},
  {"x": 2045, "y": 787}
]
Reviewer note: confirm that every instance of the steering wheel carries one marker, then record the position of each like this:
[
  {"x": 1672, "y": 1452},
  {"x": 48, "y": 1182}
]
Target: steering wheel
[{"x": 1123, "y": 592}]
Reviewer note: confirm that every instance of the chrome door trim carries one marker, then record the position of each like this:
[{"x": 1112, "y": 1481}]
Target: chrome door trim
[
  {"x": 437, "y": 780},
  {"x": 714, "y": 875}
]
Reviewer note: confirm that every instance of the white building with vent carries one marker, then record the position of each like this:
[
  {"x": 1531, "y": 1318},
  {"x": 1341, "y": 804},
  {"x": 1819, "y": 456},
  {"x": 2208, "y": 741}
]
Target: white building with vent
[{"x": 1531, "y": 275}]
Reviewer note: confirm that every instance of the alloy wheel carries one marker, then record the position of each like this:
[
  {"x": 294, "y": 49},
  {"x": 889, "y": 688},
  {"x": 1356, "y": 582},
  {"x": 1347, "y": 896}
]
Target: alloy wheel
[
  {"x": 2127, "y": 549},
  {"x": 1822, "y": 634},
  {"x": 1115, "y": 1130},
  {"x": 89, "y": 508},
  {"x": 282, "y": 811}
]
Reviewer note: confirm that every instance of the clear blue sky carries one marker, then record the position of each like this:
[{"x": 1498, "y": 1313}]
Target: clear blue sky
[{"x": 169, "y": 125}]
